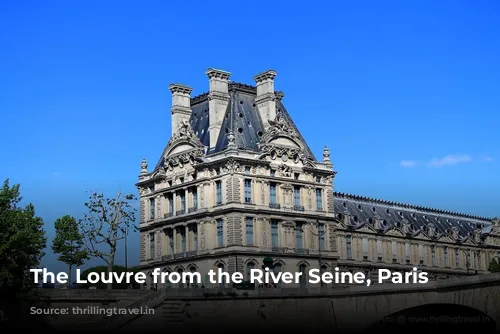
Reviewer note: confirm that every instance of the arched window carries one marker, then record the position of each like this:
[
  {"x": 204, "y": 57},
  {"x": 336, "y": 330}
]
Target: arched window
[
  {"x": 277, "y": 269},
  {"x": 220, "y": 267},
  {"x": 250, "y": 267},
  {"x": 303, "y": 277},
  {"x": 323, "y": 269},
  {"x": 179, "y": 271},
  {"x": 192, "y": 269}
]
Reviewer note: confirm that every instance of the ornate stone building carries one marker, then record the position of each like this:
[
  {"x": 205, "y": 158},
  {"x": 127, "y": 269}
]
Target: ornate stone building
[{"x": 237, "y": 183}]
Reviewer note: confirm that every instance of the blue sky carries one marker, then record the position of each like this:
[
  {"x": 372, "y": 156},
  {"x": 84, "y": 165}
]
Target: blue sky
[{"x": 404, "y": 93}]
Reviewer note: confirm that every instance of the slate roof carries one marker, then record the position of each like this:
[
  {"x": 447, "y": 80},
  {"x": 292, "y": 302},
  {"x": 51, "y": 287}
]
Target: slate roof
[
  {"x": 362, "y": 209},
  {"x": 242, "y": 117}
]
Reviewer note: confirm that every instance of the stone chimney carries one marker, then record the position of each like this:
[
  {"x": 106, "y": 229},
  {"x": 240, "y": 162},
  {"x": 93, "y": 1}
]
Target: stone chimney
[
  {"x": 266, "y": 98},
  {"x": 218, "y": 99},
  {"x": 181, "y": 105}
]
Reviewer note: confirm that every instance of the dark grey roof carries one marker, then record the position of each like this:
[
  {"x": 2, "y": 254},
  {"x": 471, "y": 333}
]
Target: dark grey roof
[
  {"x": 242, "y": 118},
  {"x": 364, "y": 209}
]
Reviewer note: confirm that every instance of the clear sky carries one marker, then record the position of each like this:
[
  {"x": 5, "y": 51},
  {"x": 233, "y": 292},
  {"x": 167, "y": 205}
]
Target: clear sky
[{"x": 404, "y": 93}]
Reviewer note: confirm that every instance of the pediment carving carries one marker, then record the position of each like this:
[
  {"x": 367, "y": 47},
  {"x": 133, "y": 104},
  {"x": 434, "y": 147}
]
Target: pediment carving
[{"x": 183, "y": 139}]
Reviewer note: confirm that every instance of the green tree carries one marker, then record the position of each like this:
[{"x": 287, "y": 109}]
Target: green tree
[
  {"x": 22, "y": 240},
  {"x": 494, "y": 266},
  {"x": 107, "y": 221},
  {"x": 103, "y": 269},
  {"x": 68, "y": 243}
]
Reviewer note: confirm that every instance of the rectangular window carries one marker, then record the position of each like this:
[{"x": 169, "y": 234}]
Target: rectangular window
[
  {"x": 457, "y": 258},
  {"x": 171, "y": 242},
  {"x": 446, "y": 256},
  {"x": 218, "y": 189},
  {"x": 379, "y": 250},
  {"x": 151, "y": 245},
  {"x": 394, "y": 251},
  {"x": 274, "y": 233},
  {"x": 249, "y": 230},
  {"x": 182, "y": 232},
  {"x": 321, "y": 236},
  {"x": 247, "y": 169},
  {"x": 273, "y": 172},
  {"x": 408, "y": 251},
  {"x": 170, "y": 204},
  {"x": 195, "y": 199},
  {"x": 195, "y": 236},
  {"x": 220, "y": 233},
  {"x": 272, "y": 191},
  {"x": 319, "y": 199},
  {"x": 421, "y": 253},
  {"x": 151, "y": 208},
  {"x": 433, "y": 255},
  {"x": 296, "y": 196},
  {"x": 468, "y": 257},
  {"x": 248, "y": 191},
  {"x": 365, "y": 248},
  {"x": 182, "y": 196},
  {"x": 298, "y": 236},
  {"x": 348, "y": 247}
]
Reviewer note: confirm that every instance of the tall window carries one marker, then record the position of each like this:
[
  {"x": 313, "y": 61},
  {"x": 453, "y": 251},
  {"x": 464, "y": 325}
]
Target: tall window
[
  {"x": 446, "y": 256},
  {"x": 195, "y": 236},
  {"x": 250, "y": 267},
  {"x": 303, "y": 277},
  {"x": 319, "y": 199},
  {"x": 182, "y": 232},
  {"x": 182, "y": 196},
  {"x": 170, "y": 203},
  {"x": 277, "y": 269},
  {"x": 321, "y": 235},
  {"x": 407, "y": 252},
  {"x": 218, "y": 190},
  {"x": 468, "y": 257},
  {"x": 195, "y": 199},
  {"x": 272, "y": 192},
  {"x": 348, "y": 247},
  {"x": 274, "y": 233},
  {"x": 151, "y": 208},
  {"x": 433, "y": 254},
  {"x": 220, "y": 233},
  {"x": 151, "y": 245},
  {"x": 171, "y": 241},
  {"x": 249, "y": 230},
  {"x": 365, "y": 248},
  {"x": 394, "y": 251},
  {"x": 379, "y": 250},
  {"x": 296, "y": 196},
  {"x": 248, "y": 191},
  {"x": 421, "y": 252},
  {"x": 457, "y": 258},
  {"x": 298, "y": 236}
]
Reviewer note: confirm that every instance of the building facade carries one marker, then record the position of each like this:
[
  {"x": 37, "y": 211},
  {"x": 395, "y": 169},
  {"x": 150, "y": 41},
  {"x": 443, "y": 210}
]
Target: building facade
[{"x": 237, "y": 186}]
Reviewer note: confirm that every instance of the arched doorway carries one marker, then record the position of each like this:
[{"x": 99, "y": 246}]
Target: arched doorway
[{"x": 435, "y": 318}]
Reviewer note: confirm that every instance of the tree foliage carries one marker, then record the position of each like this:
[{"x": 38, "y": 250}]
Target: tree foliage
[
  {"x": 494, "y": 266},
  {"x": 107, "y": 221},
  {"x": 22, "y": 240},
  {"x": 104, "y": 269},
  {"x": 68, "y": 243}
]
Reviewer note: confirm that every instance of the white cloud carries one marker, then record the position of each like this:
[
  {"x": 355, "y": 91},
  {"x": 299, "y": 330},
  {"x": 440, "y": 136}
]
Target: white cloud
[
  {"x": 408, "y": 163},
  {"x": 487, "y": 159},
  {"x": 56, "y": 174},
  {"x": 449, "y": 160}
]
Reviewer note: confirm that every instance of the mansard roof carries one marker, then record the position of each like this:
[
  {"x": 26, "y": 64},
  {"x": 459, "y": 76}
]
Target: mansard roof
[
  {"x": 363, "y": 210},
  {"x": 241, "y": 117}
]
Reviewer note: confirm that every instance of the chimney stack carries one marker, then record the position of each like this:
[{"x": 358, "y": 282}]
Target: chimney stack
[
  {"x": 218, "y": 99},
  {"x": 181, "y": 105},
  {"x": 266, "y": 98}
]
